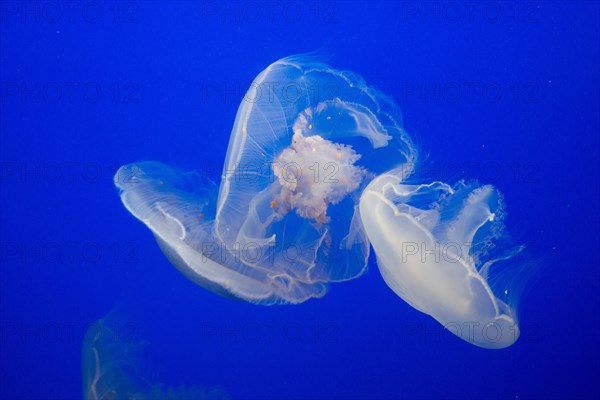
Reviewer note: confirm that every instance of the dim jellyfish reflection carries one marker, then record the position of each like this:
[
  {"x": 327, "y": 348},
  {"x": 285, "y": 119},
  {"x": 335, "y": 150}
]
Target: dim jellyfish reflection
[
  {"x": 436, "y": 249},
  {"x": 114, "y": 366},
  {"x": 306, "y": 141}
]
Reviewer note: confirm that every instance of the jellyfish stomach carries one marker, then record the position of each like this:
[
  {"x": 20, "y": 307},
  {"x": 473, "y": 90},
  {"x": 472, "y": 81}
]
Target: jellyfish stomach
[{"x": 314, "y": 173}]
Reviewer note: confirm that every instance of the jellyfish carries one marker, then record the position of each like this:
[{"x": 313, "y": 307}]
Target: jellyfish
[
  {"x": 114, "y": 365},
  {"x": 318, "y": 169},
  {"x": 444, "y": 250},
  {"x": 284, "y": 222}
]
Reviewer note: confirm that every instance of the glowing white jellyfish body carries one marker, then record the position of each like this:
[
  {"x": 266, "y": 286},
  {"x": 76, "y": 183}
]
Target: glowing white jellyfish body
[
  {"x": 435, "y": 249},
  {"x": 306, "y": 141}
]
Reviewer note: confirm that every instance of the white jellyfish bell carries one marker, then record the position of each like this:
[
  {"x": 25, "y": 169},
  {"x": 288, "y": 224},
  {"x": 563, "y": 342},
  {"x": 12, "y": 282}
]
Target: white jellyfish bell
[
  {"x": 306, "y": 141},
  {"x": 436, "y": 249}
]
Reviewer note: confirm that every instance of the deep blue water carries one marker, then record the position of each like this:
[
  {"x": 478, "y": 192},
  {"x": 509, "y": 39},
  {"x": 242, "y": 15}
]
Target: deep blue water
[{"x": 503, "y": 92}]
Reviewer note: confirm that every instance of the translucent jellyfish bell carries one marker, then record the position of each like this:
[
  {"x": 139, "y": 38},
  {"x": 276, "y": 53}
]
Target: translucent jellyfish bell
[
  {"x": 179, "y": 209},
  {"x": 435, "y": 249},
  {"x": 306, "y": 141}
]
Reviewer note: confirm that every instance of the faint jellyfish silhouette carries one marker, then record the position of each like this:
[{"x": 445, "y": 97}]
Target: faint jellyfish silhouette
[{"x": 114, "y": 366}]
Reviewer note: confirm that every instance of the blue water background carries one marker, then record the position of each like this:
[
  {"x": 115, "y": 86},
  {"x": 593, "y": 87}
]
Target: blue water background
[{"x": 71, "y": 252}]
